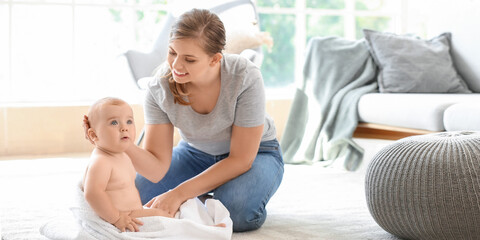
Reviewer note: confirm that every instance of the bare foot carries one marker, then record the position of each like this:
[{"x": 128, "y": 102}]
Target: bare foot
[{"x": 221, "y": 225}]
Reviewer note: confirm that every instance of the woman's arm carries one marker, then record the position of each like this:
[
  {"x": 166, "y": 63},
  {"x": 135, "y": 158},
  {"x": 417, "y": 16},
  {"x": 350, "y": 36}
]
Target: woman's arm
[
  {"x": 153, "y": 160},
  {"x": 243, "y": 150}
]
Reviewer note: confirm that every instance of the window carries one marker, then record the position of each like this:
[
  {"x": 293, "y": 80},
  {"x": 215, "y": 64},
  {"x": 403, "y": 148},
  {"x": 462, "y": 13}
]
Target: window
[
  {"x": 64, "y": 51},
  {"x": 67, "y": 51},
  {"x": 292, "y": 23}
]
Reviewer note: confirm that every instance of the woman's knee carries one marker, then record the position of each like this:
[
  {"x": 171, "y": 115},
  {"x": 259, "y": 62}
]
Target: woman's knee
[{"x": 248, "y": 220}]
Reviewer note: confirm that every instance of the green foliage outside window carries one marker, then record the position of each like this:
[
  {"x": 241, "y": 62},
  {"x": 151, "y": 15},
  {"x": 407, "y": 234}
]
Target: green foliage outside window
[
  {"x": 374, "y": 23},
  {"x": 324, "y": 26},
  {"x": 326, "y": 4},
  {"x": 371, "y": 5},
  {"x": 116, "y": 13},
  {"x": 276, "y": 3},
  {"x": 146, "y": 20},
  {"x": 278, "y": 65}
]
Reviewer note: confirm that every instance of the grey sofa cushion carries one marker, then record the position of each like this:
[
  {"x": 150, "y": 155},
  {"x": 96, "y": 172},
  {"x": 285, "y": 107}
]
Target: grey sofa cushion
[{"x": 408, "y": 64}]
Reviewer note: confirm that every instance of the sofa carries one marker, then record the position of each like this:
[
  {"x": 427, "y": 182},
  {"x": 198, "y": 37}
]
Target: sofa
[{"x": 396, "y": 113}]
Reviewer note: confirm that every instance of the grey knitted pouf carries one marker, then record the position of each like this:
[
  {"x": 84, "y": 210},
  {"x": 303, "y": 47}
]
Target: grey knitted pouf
[{"x": 427, "y": 187}]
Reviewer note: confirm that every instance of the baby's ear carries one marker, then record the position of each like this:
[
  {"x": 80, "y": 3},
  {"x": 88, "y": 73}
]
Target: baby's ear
[{"x": 92, "y": 136}]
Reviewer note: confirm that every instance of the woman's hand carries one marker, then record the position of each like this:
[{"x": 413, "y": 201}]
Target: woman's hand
[
  {"x": 168, "y": 202},
  {"x": 125, "y": 222}
]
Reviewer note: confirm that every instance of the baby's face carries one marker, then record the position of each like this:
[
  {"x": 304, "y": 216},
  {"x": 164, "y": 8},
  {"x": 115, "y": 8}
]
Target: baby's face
[{"x": 115, "y": 128}]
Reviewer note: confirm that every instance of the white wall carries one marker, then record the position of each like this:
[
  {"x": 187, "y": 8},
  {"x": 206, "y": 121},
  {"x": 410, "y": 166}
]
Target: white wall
[
  {"x": 462, "y": 19},
  {"x": 44, "y": 130}
]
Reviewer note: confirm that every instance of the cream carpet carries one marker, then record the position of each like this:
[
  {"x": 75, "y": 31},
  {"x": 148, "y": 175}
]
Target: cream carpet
[{"x": 312, "y": 202}]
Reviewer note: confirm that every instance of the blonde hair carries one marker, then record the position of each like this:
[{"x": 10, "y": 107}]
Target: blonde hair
[{"x": 208, "y": 29}]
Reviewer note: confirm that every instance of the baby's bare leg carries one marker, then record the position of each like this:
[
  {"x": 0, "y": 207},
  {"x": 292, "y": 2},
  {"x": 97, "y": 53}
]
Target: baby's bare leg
[{"x": 148, "y": 212}]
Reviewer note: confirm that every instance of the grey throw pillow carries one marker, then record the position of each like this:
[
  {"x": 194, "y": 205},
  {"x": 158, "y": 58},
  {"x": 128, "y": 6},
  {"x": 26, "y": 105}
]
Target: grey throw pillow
[{"x": 408, "y": 64}]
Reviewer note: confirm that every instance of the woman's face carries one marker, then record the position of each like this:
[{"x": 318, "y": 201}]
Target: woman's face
[{"x": 188, "y": 61}]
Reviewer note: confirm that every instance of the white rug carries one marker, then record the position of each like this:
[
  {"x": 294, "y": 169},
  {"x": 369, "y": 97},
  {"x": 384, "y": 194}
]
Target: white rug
[{"x": 312, "y": 202}]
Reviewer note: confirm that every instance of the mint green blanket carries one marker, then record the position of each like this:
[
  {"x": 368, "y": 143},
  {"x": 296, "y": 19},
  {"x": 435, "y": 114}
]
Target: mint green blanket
[{"x": 323, "y": 116}]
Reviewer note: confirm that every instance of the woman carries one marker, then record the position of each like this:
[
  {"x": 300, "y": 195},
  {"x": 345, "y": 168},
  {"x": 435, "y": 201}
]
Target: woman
[{"x": 217, "y": 102}]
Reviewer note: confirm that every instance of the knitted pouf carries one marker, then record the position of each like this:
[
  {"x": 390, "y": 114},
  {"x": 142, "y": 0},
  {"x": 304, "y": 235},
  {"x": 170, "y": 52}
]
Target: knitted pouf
[{"x": 427, "y": 187}]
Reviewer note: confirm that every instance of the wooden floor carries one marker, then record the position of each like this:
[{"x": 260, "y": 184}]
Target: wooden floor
[{"x": 378, "y": 131}]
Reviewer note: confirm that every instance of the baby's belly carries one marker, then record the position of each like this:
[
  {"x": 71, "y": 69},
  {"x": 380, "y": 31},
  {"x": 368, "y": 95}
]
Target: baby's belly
[{"x": 125, "y": 199}]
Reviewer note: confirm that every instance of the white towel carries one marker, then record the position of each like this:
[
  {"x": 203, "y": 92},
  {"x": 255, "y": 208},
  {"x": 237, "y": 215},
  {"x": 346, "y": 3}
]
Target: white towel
[{"x": 194, "y": 220}]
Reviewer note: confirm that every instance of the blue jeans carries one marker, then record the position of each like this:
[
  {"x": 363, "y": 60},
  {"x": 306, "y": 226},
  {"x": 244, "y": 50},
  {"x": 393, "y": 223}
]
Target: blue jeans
[{"x": 245, "y": 196}]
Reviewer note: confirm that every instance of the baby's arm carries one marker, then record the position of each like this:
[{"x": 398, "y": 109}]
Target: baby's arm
[{"x": 96, "y": 180}]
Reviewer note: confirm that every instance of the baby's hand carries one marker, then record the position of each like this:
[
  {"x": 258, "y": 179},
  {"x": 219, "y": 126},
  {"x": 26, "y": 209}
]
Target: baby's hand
[{"x": 126, "y": 222}]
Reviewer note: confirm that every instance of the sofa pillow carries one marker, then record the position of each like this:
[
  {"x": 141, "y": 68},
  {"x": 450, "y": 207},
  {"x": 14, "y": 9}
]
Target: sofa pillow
[{"x": 408, "y": 64}]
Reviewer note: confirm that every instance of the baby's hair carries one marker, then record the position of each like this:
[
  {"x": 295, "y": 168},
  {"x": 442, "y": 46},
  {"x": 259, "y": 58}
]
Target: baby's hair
[{"x": 93, "y": 111}]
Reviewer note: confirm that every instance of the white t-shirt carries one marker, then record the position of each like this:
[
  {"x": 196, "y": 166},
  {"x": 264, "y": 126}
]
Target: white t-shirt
[{"x": 241, "y": 102}]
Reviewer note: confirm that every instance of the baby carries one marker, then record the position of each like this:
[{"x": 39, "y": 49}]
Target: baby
[{"x": 109, "y": 181}]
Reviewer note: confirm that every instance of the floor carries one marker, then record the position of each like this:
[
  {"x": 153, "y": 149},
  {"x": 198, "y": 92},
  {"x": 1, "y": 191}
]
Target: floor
[{"x": 313, "y": 202}]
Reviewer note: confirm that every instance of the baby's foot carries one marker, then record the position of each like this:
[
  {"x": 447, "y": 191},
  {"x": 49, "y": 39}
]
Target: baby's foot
[{"x": 221, "y": 225}]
